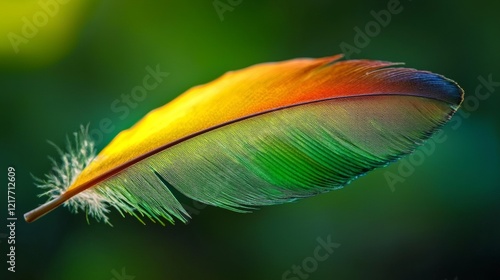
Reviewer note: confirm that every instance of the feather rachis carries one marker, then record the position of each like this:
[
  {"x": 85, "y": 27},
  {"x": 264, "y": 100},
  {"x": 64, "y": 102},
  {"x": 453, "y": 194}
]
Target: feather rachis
[{"x": 269, "y": 165}]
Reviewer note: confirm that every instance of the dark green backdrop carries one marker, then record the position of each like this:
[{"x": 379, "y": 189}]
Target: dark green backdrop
[{"x": 437, "y": 217}]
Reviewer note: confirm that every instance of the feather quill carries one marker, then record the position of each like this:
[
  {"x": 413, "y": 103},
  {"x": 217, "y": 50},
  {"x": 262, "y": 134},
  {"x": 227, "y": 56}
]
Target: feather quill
[{"x": 267, "y": 134}]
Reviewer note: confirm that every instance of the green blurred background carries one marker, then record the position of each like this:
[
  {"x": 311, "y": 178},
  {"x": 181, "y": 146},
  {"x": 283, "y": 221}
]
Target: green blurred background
[{"x": 439, "y": 220}]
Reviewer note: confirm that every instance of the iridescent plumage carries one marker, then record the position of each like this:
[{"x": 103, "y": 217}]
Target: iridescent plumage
[{"x": 266, "y": 134}]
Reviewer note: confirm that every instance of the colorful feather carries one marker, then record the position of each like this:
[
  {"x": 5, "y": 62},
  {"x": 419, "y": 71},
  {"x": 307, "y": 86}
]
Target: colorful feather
[{"x": 267, "y": 134}]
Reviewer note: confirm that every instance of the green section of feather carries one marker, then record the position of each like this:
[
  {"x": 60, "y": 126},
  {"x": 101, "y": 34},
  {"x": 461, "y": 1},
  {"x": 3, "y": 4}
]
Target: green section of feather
[{"x": 277, "y": 157}]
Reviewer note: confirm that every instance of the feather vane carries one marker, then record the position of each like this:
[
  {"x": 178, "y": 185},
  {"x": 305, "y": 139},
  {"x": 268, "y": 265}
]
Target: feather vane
[{"x": 267, "y": 134}]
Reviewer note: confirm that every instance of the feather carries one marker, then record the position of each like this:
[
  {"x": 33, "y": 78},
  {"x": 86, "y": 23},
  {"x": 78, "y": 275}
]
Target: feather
[{"x": 267, "y": 134}]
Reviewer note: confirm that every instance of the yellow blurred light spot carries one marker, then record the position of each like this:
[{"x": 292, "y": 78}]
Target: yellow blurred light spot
[{"x": 38, "y": 32}]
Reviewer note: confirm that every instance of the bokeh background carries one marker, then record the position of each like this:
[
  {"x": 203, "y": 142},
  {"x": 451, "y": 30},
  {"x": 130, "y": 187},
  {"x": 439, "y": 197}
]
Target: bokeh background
[{"x": 439, "y": 219}]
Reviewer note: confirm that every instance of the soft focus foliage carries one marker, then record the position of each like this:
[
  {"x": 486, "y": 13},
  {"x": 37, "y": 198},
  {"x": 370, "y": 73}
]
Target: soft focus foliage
[{"x": 438, "y": 220}]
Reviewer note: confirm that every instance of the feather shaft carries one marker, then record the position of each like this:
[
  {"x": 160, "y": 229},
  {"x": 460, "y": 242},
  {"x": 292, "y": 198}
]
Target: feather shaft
[{"x": 267, "y": 134}]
